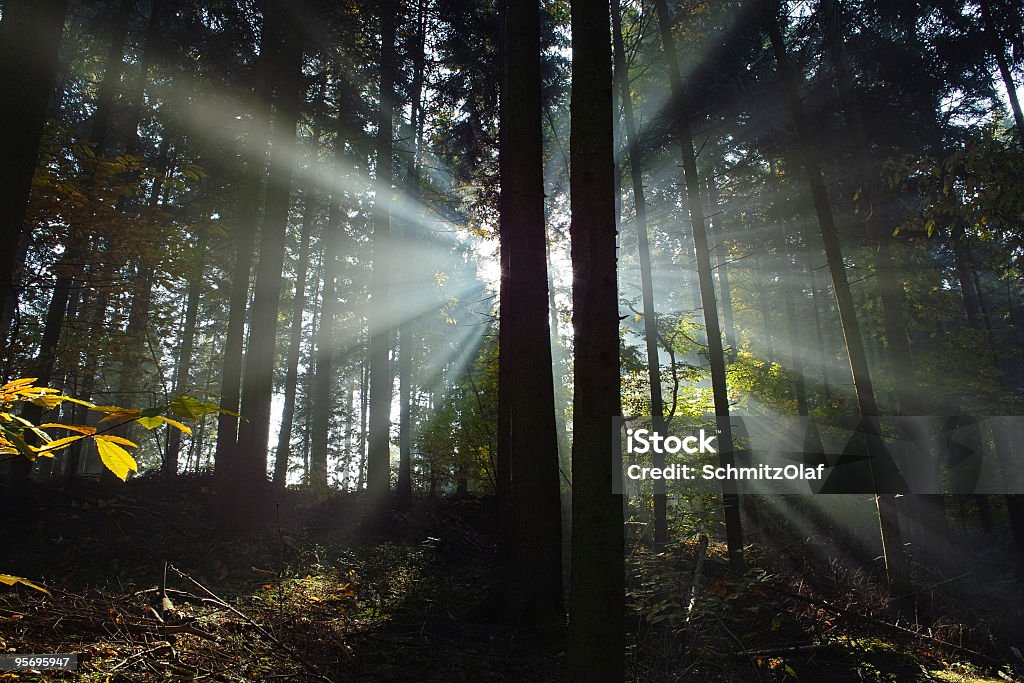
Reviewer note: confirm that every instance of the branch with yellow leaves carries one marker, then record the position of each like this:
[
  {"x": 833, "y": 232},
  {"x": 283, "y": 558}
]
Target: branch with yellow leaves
[{"x": 15, "y": 429}]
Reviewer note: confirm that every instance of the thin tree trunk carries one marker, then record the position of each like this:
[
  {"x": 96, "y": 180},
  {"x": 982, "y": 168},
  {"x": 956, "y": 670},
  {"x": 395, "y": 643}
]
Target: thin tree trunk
[
  {"x": 139, "y": 90},
  {"x": 183, "y": 369},
  {"x": 716, "y": 354},
  {"x": 325, "y": 339},
  {"x": 646, "y": 281},
  {"x": 291, "y": 380},
  {"x": 380, "y": 315},
  {"x": 996, "y": 46},
  {"x": 405, "y": 332},
  {"x": 597, "y": 595},
  {"x": 364, "y": 404},
  {"x": 880, "y": 462},
  {"x": 722, "y": 264}
]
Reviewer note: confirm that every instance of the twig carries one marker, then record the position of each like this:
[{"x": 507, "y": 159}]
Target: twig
[
  {"x": 753, "y": 663},
  {"x": 885, "y": 624},
  {"x": 310, "y": 667},
  {"x": 702, "y": 551},
  {"x": 791, "y": 650}
]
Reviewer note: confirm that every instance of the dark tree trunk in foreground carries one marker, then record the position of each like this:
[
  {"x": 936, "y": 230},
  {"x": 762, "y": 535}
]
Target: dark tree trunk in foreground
[
  {"x": 291, "y": 380},
  {"x": 892, "y": 543},
  {"x": 534, "y": 576},
  {"x": 250, "y": 466},
  {"x": 378, "y": 474},
  {"x": 716, "y": 354},
  {"x": 597, "y": 597},
  {"x": 30, "y": 36},
  {"x": 646, "y": 281}
]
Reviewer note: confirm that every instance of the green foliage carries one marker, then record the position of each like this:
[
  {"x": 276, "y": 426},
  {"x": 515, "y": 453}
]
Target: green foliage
[{"x": 463, "y": 423}]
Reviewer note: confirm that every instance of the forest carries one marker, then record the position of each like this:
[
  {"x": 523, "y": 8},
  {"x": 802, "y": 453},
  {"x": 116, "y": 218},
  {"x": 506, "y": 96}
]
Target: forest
[{"x": 499, "y": 340}]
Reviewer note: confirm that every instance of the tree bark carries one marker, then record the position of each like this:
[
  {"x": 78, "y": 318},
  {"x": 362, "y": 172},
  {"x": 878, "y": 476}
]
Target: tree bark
[
  {"x": 716, "y": 354},
  {"x": 880, "y": 462},
  {"x": 597, "y": 595},
  {"x": 646, "y": 281},
  {"x": 534, "y": 584},
  {"x": 246, "y": 233},
  {"x": 111, "y": 77},
  {"x": 291, "y": 380},
  {"x": 183, "y": 368},
  {"x": 381, "y": 324},
  {"x": 326, "y": 351},
  {"x": 30, "y": 36},
  {"x": 258, "y": 385},
  {"x": 409, "y": 237},
  {"x": 722, "y": 265}
]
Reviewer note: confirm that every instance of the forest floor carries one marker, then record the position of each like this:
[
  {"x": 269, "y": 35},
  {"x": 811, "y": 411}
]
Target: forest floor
[{"x": 332, "y": 593}]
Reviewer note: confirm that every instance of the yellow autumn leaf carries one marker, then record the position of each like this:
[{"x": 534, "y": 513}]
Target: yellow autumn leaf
[
  {"x": 116, "y": 459},
  {"x": 80, "y": 402},
  {"x": 116, "y": 439},
  {"x": 81, "y": 429},
  {"x": 58, "y": 444},
  {"x": 48, "y": 401},
  {"x": 122, "y": 414},
  {"x": 175, "y": 423},
  {"x": 14, "y": 384},
  {"x": 9, "y": 580},
  {"x": 152, "y": 422}
]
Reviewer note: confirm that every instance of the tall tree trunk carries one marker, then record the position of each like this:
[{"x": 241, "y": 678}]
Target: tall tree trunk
[
  {"x": 250, "y": 468},
  {"x": 291, "y": 380},
  {"x": 30, "y": 36},
  {"x": 111, "y": 77},
  {"x": 880, "y": 462},
  {"x": 132, "y": 356},
  {"x": 597, "y": 595},
  {"x": 20, "y": 468},
  {"x": 380, "y": 315},
  {"x": 325, "y": 339},
  {"x": 997, "y": 47},
  {"x": 503, "y": 449},
  {"x": 909, "y": 402},
  {"x": 534, "y": 578},
  {"x": 244, "y": 239},
  {"x": 364, "y": 409},
  {"x": 716, "y": 354},
  {"x": 722, "y": 265},
  {"x": 405, "y": 331},
  {"x": 646, "y": 281},
  {"x": 183, "y": 368},
  {"x": 138, "y": 94}
]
